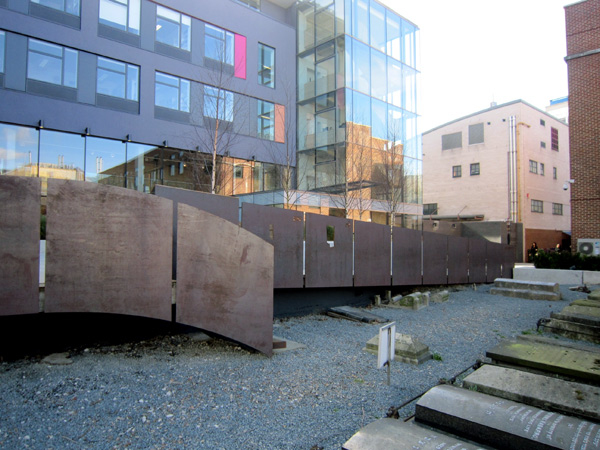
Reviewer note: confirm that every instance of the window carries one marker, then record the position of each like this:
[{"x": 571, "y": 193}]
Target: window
[
  {"x": 117, "y": 79},
  {"x": 554, "y": 135},
  {"x": 238, "y": 172},
  {"x": 476, "y": 134},
  {"x": 52, "y": 64},
  {"x": 456, "y": 171},
  {"x": 172, "y": 92},
  {"x": 2, "y": 39},
  {"x": 218, "y": 103},
  {"x": 554, "y": 173},
  {"x": 121, "y": 14},
  {"x": 219, "y": 44},
  {"x": 542, "y": 169},
  {"x": 430, "y": 209},
  {"x": 537, "y": 206},
  {"x": 173, "y": 28},
  {"x": 266, "y": 120},
  {"x": 254, "y": 4},
  {"x": 533, "y": 166},
  {"x": 557, "y": 209},
  {"x": 542, "y": 122},
  {"x": 68, "y": 6},
  {"x": 450, "y": 141},
  {"x": 542, "y": 144},
  {"x": 266, "y": 66},
  {"x": 474, "y": 169}
]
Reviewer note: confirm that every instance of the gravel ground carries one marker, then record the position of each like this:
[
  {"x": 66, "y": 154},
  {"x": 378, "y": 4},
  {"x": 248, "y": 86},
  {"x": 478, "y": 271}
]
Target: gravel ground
[{"x": 175, "y": 391}]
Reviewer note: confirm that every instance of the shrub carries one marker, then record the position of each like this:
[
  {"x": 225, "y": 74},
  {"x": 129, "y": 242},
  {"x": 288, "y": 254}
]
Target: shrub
[{"x": 565, "y": 261}]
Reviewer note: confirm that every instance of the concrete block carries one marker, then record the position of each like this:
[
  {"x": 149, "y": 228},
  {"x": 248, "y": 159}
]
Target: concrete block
[
  {"x": 406, "y": 349},
  {"x": 414, "y": 301},
  {"x": 537, "y": 390},
  {"x": 548, "y": 275},
  {"x": 440, "y": 297},
  {"x": 591, "y": 277},
  {"x": 527, "y": 285},
  {"x": 503, "y": 423}
]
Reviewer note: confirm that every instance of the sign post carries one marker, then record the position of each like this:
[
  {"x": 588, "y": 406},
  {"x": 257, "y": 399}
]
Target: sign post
[{"x": 387, "y": 341}]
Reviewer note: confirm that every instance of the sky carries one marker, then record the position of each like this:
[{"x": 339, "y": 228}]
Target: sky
[{"x": 475, "y": 52}]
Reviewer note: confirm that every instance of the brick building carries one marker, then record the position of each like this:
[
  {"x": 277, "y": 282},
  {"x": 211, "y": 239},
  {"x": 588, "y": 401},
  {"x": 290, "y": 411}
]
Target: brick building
[{"x": 583, "y": 61}]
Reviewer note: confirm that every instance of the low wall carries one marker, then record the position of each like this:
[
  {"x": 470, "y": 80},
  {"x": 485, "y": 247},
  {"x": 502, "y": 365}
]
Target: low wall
[{"x": 556, "y": 276}]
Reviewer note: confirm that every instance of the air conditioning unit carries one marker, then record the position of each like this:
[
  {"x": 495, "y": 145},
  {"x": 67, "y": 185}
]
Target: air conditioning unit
[{"x": 588, "y": 246}]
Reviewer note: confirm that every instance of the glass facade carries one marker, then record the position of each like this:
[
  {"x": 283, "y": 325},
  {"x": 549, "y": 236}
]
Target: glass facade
[{"x": 357, "y": 104}]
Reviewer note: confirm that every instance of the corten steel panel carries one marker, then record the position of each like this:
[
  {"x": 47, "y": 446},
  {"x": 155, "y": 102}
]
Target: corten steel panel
[
  {"x": 19, "y": 245},
  {"x": 109, "y": 250},
  {"x": 372, "y": 262},
  {"x": 328, "y": 266},
  {"x": 284, "y": 229},
  {"x": 224, "y": 279},
  {"x": 508, "y": 261},
  {"x": 406, "y": 257},
  {"x": 435, "y": 253},
  {"x": 495, "y": 256},
  {"x": 458, "y": 260},
  {"x": 477, "y": 260},
  {"x": 218, "y": 205}
]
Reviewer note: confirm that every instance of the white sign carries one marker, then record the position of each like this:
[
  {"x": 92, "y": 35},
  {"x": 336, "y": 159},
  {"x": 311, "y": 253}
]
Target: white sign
[{"x": 387, "y": 341}]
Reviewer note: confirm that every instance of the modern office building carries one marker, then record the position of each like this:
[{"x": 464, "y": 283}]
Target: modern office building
[
  {"x": 583, "y": 62},
  {"x": 508, "y": 163},
  {"x": 216, "y": 96}
]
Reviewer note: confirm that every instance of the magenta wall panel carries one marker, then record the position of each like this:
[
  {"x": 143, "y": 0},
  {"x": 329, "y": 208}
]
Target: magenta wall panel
[
  {"x": 19, "y": 245},
  {"x": 240, "y": 56}
]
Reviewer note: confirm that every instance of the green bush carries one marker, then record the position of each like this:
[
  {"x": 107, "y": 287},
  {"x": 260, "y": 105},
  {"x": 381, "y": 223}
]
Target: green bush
[{"x": 565, "y": 261}]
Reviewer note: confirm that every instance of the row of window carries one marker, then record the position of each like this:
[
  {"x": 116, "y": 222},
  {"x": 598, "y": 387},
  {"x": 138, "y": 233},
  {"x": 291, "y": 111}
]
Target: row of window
[
  {"x": 539, "y": 168},
  {"x": 537, "y": 206},
  {"x": 474, "y": 170},
  {"x": 175, "y": 30}
]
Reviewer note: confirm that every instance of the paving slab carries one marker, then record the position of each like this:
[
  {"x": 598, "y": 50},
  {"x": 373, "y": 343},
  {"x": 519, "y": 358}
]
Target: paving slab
[
  {"x": 536, "y": 390},
  {"x": 578, "y": 364},
  {"x": 398, "y": 435},
  {"x": 504, "y": 424},
  {"x": 356, "y": 314}
]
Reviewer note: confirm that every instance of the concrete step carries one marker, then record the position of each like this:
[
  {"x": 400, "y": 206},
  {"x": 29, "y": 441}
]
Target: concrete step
[
  {"x": 541, "y": 391},
  {"x": 526, "y": 294},
  {"x": 503, "y": 424},
  {"x": 398, "y": 435},
  {"x": 509, "y": 283}
]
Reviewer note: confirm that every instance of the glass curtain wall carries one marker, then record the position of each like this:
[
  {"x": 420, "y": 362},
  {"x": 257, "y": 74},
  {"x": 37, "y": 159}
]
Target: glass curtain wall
[{"x": 357, "y": 103}]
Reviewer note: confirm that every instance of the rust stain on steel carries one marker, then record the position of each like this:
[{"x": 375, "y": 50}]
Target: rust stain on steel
[
  {"x": 458, "y": 260},
  {"x": 435, "y": 253},
  {"x": 406, "y": 257},
  {"x": 109, "y": 250},
  {"x": 477, "y": 255},
  {"x": 372, "y": 249},
  {"x": 224, "y": 279},
  {"x": 328, "y": 264},
  {"x": 284, "y": 229},
  {"x": 19, "y": 245}
]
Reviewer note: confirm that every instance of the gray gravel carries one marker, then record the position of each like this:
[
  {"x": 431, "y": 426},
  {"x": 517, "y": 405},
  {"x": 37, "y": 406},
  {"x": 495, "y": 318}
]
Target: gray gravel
[{"x": 176, "y": 392}]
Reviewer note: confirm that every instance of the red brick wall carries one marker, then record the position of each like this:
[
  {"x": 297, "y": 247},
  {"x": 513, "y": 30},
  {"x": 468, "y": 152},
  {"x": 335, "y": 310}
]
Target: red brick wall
[{"x": 583, "y": 35}]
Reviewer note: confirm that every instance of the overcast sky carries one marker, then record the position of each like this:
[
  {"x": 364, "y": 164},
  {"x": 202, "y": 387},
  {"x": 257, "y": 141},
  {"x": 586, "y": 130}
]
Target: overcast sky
[{"x": 473, "y": 52}]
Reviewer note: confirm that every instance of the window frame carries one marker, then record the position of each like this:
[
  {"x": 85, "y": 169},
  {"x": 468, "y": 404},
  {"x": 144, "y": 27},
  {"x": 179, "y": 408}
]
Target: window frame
[
  {"x": 127, "y": 70},
  {"x": 263, "y": 79},
  {"x": 129, "y": 17},
  {"x": 226, "y": 50},
  {"x": 177, "y": 19},
  {"x": 537, "y": 206},
  {"x": 65, "y": 6},
  {"x": 223, "y": 100},
  {"x": 557, "y": 209},
  {"x": 64, "y": 61},
  {"x": 183, "y": 86},
  {"x": 554, "y": 143},
  {"x": 554, "y": 173},
  {"x": 533, "y": 166},
  {"x": 475, "y": 169},
  {"x": 2, "y": 50},
  {"x": 266, "y": 120},
  {"x": 542, "y": 168},
  {"x": 456, "y": 171}
]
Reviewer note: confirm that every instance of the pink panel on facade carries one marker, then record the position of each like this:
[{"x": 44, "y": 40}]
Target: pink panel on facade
[
  {"x": 240, "y": 56},
  {"x": 280, "y": 123}
]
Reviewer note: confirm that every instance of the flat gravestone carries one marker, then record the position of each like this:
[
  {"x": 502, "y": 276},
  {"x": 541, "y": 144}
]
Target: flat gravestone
[
  {"x": 581, "y": 311},
  {"x": 504, "y": 424},
  {"x": 358, "y": 315},
  {"x": 537, "y": 390},
  {"x": 588, "y": 302},
  {"x": 594, "y": 295},
  {"x": 398, "y": 435},
  {"x": 406, "y": 349},
  {"x": 579, "y": 364}
]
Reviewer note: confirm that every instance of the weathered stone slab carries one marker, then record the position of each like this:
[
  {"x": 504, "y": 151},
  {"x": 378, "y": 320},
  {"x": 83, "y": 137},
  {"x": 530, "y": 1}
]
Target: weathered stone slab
[
  {"x": 440, "y": 297},
  {"x": 537, "y": 390},
  {"x": 504, "y": 424},
  {"x": 559, "y": 343},
  {"x": 581, "y": 311},
  {"x": 526, "y": 294},
  {"x": 578, "y": 364},
  {"x": 406, "y": 349},
  {"x": 414, "y": 301},
  {"x": 580, "y": 328},
  {"x": 527, "y": 285},
  {"x": 588, "y": 302},
  {"x": 359, "y": 315},
  {"x": 398, "y": 435},
  {"x": 594, "y": 295}
]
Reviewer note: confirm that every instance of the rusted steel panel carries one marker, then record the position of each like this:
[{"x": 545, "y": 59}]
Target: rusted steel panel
[
  {"x": 477, "y": 260},
  {"x": 218, "y": 205},
  {"x": 284, "y": 229},
  {"x": 495, "y": 256},
  {"x": 458, "y": 260},
  {"x": 372, "y": 263},
  {"x": 508, "y": 261},
  {"x": 328, "y": 264},
  {"x": 435, "y": 254},
  {"x": 224, "y": 279},
  {"x": 406, "y": 257},
  {"x": 109, "y": 250},
  {"x": 19, "y": 245}
]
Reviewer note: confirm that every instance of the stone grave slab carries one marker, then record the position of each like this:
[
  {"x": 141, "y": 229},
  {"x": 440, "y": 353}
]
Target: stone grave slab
[
  {"x": 356, "y": 314},
  {"x": 594, "y": 295},
  {"x": 588, "y": 303},
  {"x": 503, "y": 424},
  {"x": 406, "y": 349},
  {"x": 398, "y": 435},
  {"x": 537, "y": 390},
  {"x": 581, "y": 311},
  {"x": 578, "y": 364},
  {"x": 559, "y": 343},
  {"x": 573, "y": 327},
  {"x": 414, "y": 301}
]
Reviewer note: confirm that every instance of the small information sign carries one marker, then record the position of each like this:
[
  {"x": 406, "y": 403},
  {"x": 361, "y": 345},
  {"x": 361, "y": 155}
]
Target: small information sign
[{"x": 387, "y": 341}]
